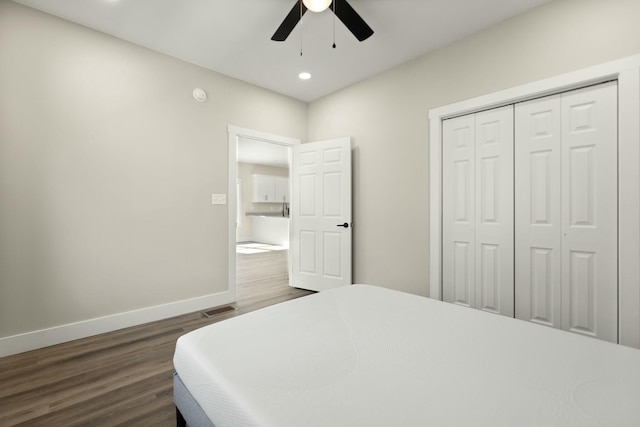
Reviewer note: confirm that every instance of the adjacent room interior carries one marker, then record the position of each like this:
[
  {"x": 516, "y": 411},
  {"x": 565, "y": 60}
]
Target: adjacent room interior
[{"x": 262, "y": 212}]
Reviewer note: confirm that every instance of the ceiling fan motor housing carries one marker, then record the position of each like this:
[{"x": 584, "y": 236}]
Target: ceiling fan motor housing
[{"x": 343, "y": 10}]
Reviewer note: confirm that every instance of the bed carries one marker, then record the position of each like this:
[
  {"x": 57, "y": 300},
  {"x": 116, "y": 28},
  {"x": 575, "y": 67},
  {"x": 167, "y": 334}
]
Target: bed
[{"x": 369, "y": 356}]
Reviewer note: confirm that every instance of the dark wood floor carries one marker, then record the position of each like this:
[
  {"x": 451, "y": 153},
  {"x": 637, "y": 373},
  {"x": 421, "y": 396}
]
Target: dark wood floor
[{"x": 123, "y": 377}]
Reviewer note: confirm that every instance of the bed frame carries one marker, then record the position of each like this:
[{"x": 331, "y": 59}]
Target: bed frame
[{"x": 188, "y": 412}]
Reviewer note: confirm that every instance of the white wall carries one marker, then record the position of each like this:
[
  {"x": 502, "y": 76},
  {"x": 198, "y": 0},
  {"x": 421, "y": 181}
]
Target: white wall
[
  {"x": 107, "y": 166},
  {"x": 387, "y": 117}
]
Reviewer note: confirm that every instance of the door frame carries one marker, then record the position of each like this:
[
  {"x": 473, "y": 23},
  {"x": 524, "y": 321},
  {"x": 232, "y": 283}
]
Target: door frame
[
  {"x": 627, "y": 72},
  {"x": 234, "y": 133}
]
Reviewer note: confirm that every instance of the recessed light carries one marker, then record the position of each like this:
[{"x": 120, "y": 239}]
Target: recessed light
[{"x": 304, "y": 76}]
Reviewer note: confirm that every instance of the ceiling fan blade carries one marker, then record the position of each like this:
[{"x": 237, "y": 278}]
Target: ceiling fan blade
[
  {"x": 290, "y": 22},
  {"x": 351, "y": 19}
]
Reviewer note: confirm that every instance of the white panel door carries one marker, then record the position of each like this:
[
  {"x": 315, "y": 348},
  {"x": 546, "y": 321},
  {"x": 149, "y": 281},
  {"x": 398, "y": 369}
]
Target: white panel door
[
  {"x": 321, "y": 215},
  {"x": 458, "y": 211},
  {"x": 494, "y": 211},
  {"x": 589, "y": 211},
  {"x": 567, "y": 211},
  {"x": 538, "y": 251},
  {"x": 477, "y": 211}
]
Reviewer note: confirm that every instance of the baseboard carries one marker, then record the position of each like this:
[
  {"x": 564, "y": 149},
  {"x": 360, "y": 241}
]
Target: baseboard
[{"x": 45, "y": 337}]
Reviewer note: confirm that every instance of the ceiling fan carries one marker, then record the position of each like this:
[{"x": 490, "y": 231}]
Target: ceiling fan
[{"x": 341, "y": 8}]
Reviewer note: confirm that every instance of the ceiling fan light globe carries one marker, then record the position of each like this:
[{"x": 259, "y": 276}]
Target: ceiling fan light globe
[{"x": 317, "y": 5}]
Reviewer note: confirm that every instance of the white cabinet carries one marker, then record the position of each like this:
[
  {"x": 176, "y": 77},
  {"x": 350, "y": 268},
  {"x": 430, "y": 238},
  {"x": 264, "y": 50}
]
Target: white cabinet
[
  {"x": 264, "y": 190},
  {"x": 282, "y": 189},
  {"x": 273, "y": 230},
  {"x": 530, "y": 211},
  {"x": 270, "y": 189}
]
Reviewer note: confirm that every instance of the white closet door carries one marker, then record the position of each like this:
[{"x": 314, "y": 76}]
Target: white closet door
[
  {"x": 458, "y": 211},
  {"x": 589, "y": 211},
  {"x": 567, "y": 210},
  {"x": 494, "y": 211},
  {"x": 478, "y": 211},
  {"x": 538, "y": 253}
]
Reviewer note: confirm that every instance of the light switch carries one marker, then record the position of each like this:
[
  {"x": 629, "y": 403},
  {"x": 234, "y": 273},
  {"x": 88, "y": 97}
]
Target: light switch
[{"x": 218, "y": 199}]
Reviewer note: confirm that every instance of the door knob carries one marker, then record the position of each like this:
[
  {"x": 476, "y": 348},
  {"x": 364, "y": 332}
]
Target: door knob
[{"x": 345, "y": 225}]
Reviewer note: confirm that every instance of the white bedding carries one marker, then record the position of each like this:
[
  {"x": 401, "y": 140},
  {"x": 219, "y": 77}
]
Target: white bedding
[{"x": 368, "y": 356}]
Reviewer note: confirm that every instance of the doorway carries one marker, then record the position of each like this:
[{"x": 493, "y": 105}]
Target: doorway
[
  {"x": 262, "y": 225},
  {"x": 259, "y": 200}
]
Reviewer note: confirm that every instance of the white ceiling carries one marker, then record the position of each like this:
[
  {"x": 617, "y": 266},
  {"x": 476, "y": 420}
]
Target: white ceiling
[
  {"x": 262, "y": 153},
  {"x": 233, "y": 37}
]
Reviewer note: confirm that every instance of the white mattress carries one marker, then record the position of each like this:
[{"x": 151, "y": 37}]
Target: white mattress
[{"x": 368, "y": 356}]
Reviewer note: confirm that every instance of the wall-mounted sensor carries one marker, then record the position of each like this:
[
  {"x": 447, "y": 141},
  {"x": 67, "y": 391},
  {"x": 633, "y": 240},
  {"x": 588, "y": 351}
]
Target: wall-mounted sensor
[{"x": 199, "y": 94}]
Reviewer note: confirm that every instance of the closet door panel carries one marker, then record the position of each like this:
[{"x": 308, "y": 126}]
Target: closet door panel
[
  {"x": 589, "y": 211},
  {"x": 494, "y": 211},
  {"x": 538, "y": 255},
  {"x": 458, "y": 211}
]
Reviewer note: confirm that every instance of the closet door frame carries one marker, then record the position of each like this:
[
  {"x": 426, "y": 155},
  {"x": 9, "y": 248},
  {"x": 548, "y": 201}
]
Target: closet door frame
[{"x": 627, "y": 73}]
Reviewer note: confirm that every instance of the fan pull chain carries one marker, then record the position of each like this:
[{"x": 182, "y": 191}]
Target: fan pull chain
[
  {"x": 334, "y": 23},
  {"x": 301, "y": 26}
]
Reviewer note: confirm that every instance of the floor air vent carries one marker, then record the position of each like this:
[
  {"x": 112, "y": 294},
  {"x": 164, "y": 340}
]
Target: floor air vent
[{"x": 219, "y": 310}]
